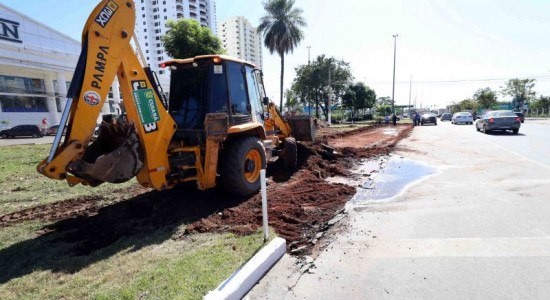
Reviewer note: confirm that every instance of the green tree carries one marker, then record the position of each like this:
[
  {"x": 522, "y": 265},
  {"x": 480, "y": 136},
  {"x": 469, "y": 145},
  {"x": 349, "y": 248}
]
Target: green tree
[
  {"x": 311, "y": 82},
  {"x": 281, "y": 29},
  {"x": 384, "y": 100},
  {"x": 358, "y": 97},
  {"x": 542, "y": 103},
  {"x": 292, "y": 103},
  {"x": 485, "y": 98},
  {"x": 383, "y": 109},
  {"x": 521, "y": 91},
  {"x": 467, "y": 104},
  {"x": 187, "y": 38}
]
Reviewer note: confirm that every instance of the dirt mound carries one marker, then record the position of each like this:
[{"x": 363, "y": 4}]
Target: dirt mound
[{"x": 301, "y": 203}]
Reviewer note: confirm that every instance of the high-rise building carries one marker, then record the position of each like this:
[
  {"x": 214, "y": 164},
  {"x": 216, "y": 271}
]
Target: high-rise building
[
  {"x": 241, "y": 40},
  {"x": 151, "y": 18}
]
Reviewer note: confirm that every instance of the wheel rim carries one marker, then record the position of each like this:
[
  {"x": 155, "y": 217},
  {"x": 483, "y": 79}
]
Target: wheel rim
[{"x": 252, "y": 166}]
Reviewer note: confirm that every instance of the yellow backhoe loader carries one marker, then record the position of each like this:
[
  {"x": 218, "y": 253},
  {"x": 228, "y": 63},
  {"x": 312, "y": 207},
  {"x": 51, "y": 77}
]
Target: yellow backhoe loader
[{"x": 217, "y": 127}]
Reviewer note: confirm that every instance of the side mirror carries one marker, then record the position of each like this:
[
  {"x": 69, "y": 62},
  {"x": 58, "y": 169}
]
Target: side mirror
[{"x": 266, "y": 101}]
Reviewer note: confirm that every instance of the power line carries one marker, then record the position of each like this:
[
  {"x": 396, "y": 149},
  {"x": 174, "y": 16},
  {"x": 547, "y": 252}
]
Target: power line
[{"x": 458, "y": 81}]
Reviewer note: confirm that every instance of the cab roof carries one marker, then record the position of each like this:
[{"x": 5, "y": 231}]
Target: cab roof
[{"x": 211, "y": 56}]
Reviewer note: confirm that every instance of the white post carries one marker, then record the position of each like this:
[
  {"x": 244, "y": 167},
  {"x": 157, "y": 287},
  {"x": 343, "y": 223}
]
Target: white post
[{"x": 264, "y": 204}]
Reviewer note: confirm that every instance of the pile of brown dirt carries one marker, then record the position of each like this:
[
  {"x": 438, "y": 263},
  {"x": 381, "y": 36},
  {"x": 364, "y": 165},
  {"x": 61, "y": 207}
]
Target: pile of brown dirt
[
  {"x": 301, "y": 203},
  {"x": 300, "y": 206}
]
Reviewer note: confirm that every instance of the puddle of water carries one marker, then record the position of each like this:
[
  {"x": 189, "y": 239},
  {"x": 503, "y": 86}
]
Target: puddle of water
[
  {"x": 364, "y": 170},
  {"x": 395, "y": 175}
]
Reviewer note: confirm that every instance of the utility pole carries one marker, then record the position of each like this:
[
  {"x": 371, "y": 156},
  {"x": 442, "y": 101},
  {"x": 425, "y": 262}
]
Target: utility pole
[
  {"x": 393, "y": 85},
  {"x": 410, "y": 90},
  {"x": 309, "y": 92},
  {"x": 329, "y": 97}
]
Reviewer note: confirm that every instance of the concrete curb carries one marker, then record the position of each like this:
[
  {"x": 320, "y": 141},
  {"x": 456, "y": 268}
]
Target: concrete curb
[{"x": 240, "y": 282}]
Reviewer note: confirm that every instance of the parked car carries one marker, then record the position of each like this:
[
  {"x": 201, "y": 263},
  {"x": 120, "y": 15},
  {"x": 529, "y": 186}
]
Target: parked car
[
  {"x": 446, "y": 117},
  {"x": 499, "y": 120},
  {"x": 520, "y": 115},
  {"x": 462, "y": 117},
  {"x": 428, "y": 118},
  {"x": 53, "y": 130},
  {"x": 22, "y": 130}
]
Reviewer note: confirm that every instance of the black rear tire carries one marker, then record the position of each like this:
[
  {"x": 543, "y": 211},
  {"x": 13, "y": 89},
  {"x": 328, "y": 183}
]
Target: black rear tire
[
  {"x": 515, "y": 131},
  {"x": 240, "y": 166},
  {"x": 290, "y": 153},
  {"x": 5, "y": 136}
]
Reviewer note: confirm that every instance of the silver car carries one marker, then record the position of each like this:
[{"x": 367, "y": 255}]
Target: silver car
[
  {"x": 499, "y": 120},
  {"x": 463, "y": 117}
]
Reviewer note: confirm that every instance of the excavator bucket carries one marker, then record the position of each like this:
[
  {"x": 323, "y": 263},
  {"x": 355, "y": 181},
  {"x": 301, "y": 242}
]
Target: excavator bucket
[
  {"x": 303, "y": 128},
  {"x": 115, "y": 156}
]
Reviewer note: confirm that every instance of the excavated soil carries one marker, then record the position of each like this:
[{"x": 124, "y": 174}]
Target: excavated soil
[{"x": 302, "y": 205}]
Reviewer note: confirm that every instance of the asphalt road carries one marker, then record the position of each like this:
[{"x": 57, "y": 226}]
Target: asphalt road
[
  {"x": 26, "y": 140},
  {"x": 478, "y": 228}
]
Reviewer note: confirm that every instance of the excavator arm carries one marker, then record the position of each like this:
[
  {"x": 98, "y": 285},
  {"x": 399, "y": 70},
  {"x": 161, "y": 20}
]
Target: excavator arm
[{"x": 125, "y": 149}]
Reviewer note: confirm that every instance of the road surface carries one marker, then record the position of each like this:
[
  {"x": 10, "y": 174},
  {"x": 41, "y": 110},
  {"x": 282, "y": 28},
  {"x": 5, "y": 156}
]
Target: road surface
[{"x": 478, "y": 228}]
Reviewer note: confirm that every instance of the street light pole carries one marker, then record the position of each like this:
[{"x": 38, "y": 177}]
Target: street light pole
[
  {"x": 329, "y": 98},
  {"x": 309, "y": 92},
  {"x": 410, "y": 90},
  {"x": 393, "y": 85}
]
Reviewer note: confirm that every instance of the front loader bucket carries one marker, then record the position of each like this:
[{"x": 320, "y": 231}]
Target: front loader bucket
[
  {"x": 115, "y": 156},
  {"x": 303, "y": 128}
]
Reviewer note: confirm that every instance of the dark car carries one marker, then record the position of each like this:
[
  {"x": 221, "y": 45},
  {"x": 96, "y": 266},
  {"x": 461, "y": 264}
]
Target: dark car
[
  {"x": 428, "y": 118},
  {"x": 520, "y": 115},
  {"x": 22, "y": 130},
  {"x": 53, "y": 130},
  {"x": 446, "y": 117},
  {"x": 499, "y": 120}
]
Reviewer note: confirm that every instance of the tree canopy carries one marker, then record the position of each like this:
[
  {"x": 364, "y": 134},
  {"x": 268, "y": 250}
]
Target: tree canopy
[
  {"x": 281, "y": 29},
  {"x": 486, "y": 98},
  {"x": 521, "y": 90},
  {"x": 311, "y": 82},
  {"x": 187, "y": 38},
  {"x": 542, "y": 103},
  {"x": 357, "y": 97}
]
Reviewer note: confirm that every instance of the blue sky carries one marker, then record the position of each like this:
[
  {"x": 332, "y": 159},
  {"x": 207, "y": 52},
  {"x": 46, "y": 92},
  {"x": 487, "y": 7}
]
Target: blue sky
[{"x": 450, "y": 48}]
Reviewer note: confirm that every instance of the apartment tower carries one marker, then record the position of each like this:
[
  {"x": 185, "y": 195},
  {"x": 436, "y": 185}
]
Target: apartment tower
[
  {"x": 241, "y": 40},
  {"x": 151, "y": 18}
]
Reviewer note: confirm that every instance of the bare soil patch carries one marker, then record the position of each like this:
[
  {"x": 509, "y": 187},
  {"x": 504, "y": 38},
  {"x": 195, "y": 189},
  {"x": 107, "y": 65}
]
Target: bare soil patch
[{"x": 301, "y": 203}]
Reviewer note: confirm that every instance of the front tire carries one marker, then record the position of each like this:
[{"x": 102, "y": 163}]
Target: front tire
[
  {"x": 240, "y": 166},
  {"x": 290, "y": 153},
  {"x": 515, "y": 131}
]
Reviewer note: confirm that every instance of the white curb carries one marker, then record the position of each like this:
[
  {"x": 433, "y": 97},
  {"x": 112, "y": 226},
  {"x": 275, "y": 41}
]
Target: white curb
[{"x": 240, "y": 282}]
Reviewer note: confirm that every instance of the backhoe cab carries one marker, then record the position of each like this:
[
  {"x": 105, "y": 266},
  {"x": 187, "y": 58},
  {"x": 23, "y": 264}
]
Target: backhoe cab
[{"x": 217, "y": 126}]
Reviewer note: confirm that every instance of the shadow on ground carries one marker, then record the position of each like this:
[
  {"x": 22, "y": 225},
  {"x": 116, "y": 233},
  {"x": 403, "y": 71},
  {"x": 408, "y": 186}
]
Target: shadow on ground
[{"x": 72, "y": 244}]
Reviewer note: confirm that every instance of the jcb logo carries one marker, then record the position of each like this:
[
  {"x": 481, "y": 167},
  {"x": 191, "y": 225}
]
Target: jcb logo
[{"x": 106, "y": 14}]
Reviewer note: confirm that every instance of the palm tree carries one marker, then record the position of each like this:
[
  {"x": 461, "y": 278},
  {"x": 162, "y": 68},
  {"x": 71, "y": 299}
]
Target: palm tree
[{"x": 281, "y": 29}]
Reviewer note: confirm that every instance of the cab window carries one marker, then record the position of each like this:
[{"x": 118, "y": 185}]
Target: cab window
[
  {"x": 254, "y": 94},
  {"x": 237, "y": 89}
]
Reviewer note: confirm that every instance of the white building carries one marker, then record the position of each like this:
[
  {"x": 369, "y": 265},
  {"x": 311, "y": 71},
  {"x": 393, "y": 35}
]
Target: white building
[
  {"x": 241, "y": 40},
  {"x": 36, "y": 67},
  {"x": 151, "y": 18}
]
